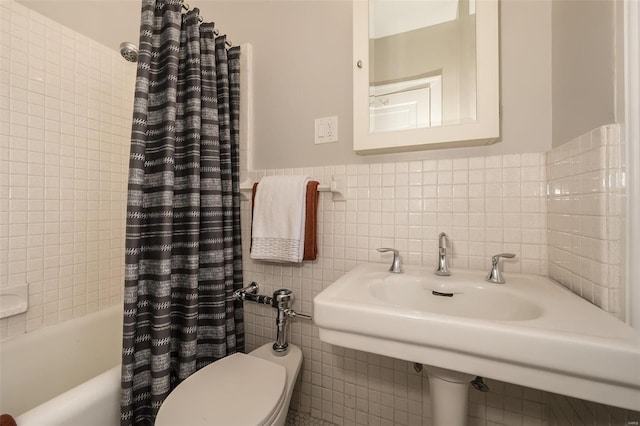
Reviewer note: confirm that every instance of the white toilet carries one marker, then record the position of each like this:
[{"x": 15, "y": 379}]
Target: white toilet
[{"x": 239, "y": 390}]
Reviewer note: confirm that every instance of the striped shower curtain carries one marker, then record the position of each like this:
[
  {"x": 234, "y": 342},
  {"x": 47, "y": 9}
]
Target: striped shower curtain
[{"x": 183, "y": 243}]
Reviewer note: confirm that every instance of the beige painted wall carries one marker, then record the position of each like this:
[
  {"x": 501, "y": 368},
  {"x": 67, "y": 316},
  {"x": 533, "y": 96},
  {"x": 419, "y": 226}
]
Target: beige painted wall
[
  {"x": 583, "y": 66},
  {"x": 301, "y": 62},
  {"x": 303, "y": 70}
]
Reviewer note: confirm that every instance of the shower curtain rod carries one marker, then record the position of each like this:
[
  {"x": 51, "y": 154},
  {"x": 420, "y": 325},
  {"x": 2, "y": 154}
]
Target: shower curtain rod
[{"x": 186, "y": 7}]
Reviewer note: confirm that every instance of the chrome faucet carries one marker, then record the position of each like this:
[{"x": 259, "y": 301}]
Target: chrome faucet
[
  {"x": 442, "y": 269},
  {"x": 494, "y": 275},
  {"x": 396, "y": 266}
]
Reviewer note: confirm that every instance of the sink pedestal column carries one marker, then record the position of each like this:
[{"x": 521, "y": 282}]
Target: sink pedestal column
[{"x": 449, "y": 396}]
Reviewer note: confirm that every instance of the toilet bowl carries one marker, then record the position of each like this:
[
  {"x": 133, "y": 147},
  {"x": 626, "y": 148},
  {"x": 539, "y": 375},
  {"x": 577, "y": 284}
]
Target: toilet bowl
[{"x": 241, "y": 389}]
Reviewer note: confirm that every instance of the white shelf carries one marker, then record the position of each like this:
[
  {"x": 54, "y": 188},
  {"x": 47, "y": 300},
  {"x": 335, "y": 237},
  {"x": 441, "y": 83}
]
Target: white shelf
[
  {"x": 14, "y": 300},
  {"x": 337, "y": 187}
]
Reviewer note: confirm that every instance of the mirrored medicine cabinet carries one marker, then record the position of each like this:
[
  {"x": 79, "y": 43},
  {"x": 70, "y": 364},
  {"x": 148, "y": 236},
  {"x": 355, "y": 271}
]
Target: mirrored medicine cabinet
[{"x": 426, "y": 74}]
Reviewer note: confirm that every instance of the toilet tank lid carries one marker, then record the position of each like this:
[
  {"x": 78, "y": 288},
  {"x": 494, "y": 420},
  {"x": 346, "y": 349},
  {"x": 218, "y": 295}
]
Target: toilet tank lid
[{"x": 237, "y": 390}]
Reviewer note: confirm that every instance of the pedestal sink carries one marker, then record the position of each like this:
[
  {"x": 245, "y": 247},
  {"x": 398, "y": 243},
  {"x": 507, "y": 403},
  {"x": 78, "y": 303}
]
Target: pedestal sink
[{"x": 529, "y": 331}]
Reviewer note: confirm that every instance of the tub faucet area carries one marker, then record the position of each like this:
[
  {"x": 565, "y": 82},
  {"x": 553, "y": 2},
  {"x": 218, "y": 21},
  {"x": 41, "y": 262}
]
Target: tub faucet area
[{"x": 441, "y": 268}]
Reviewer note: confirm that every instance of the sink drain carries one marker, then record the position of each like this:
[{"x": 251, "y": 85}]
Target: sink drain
[{"x": 437, "y": 293}]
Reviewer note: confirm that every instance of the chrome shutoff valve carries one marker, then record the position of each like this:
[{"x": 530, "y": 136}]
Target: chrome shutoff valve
[{"x": 282, "y": 300}]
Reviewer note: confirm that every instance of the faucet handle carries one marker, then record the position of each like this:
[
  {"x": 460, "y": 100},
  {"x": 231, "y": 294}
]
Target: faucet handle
[
  {"x": 494, "y": 275},
  {"x": 396, "y": 267},
  {"x": 495, "y": 258}
]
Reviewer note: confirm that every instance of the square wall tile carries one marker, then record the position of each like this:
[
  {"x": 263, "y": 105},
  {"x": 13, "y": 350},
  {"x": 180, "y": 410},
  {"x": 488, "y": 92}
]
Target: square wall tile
[
  {"x": 582, "y": 186},
  {"x": 44, "y": 180}
]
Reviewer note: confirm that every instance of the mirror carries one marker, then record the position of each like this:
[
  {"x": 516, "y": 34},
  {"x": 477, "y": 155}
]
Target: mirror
[
  {"x": 409, "y": 89},
  {"x": 426, "y": 74}
]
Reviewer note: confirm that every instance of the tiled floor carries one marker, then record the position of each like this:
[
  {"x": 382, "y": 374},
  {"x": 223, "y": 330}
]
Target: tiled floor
[{"x": 295, "y": 418}]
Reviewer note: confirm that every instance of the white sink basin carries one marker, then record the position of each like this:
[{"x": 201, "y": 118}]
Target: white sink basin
[
  {"x": 458, "y": 297},
  {"x": 529, "y": 331}
]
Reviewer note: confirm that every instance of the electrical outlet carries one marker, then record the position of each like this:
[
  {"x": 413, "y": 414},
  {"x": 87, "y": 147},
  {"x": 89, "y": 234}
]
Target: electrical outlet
[
  {"x": 331, "y": 131},
  {"x": 326, "y": 130}
]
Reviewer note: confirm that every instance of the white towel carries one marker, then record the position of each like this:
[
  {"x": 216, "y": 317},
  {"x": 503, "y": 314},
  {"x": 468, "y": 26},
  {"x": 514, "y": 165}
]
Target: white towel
[{"x": 279, "y": 219}]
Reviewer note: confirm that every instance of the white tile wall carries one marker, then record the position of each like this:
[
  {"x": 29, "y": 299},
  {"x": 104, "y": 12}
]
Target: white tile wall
[
  {"x": 487, "y": 205},
  {"x": 566, "y": 411},
  {"x": 65, "y": 114},
  {"x": 585, "y": 206}
]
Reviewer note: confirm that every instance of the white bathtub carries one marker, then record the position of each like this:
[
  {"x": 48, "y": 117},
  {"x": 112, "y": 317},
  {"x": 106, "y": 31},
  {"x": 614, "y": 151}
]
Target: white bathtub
[{"x": 67, "y": 374}]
